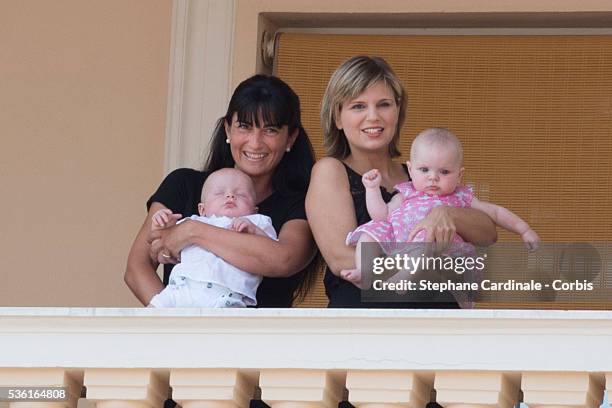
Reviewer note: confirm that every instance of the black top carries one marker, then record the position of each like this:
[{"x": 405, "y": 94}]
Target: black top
[
  {"x": 180, "y": 192},
  {"x": 343, "y": 294}
]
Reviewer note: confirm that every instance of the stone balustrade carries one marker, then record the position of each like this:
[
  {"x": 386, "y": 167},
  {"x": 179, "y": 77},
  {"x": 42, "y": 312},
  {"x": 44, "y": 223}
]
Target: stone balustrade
[{"x": 306, "y": 358}]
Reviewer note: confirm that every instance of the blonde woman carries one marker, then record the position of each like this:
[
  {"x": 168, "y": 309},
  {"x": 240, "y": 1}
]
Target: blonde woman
[{"x": 362, "y": 112}]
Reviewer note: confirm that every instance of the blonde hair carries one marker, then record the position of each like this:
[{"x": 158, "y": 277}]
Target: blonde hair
[
  {"x": 348, "y": 81},
  {"x": 439, "y": 137}
]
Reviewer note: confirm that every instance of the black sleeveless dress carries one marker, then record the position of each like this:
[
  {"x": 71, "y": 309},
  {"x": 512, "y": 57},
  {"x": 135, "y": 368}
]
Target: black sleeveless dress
[{"x": 343, "y": 294}]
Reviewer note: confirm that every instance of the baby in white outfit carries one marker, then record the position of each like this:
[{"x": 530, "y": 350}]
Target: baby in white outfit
[{"x": 202, "y": 279}]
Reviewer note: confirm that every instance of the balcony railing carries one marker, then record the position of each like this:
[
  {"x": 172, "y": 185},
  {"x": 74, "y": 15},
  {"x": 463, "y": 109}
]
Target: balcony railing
[{"x": 302, "y": 358}]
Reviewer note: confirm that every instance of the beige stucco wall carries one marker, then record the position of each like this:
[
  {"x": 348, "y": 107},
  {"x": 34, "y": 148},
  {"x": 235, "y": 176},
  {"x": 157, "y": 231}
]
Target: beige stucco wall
[{"x": 83, "y": 88}]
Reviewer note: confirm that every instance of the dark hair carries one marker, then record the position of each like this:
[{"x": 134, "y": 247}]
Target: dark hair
[{"x": 267, "y": 98}]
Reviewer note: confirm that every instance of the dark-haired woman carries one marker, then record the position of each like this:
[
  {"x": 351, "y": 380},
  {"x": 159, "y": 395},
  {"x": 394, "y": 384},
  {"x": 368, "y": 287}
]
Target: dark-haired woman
[{"x": 262, "y": 135}]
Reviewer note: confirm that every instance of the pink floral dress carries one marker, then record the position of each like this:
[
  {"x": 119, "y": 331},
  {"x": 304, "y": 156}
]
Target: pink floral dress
[
  {"x": 392, "y": 234},
  {"x": 414, "y": 208}
]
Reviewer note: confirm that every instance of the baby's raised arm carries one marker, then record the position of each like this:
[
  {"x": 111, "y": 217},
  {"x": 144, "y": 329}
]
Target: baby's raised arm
[
  {"x": 377, "y": 208},
  {"x": 510, "y": 221},
  {"x": 164, "y": 218}
]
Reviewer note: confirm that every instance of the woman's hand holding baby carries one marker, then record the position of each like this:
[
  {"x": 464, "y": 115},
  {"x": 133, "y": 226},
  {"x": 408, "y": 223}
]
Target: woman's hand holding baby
[
  {"x": 166, "y": 244},
  {"x": 158, "y": 250},
  {"x": 371, "y": 179},
  {"x": 439, "y": 227}
]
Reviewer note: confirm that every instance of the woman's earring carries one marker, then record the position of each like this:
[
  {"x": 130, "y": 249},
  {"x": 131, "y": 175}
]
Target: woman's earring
[
  {"x": 288, "y": 149},
  {"x": 227, "y": 140}
]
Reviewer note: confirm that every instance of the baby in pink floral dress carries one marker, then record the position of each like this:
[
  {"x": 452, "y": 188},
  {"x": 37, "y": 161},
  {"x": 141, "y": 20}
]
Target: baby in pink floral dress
[{"x": 435, "y": 167}]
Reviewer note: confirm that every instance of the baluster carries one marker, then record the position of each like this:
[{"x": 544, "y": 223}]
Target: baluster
[
  {"x": 562, "y": 390},
  {"x": 378, "y": 388},
  {"x": 608, "y": 379},
  {"x": 44, "y": 377},
  {"x": 469, "y": 389},
  {"x": 126, "y": 387},
  {"x": 212, "y": 388},
  {"x": 295, "y": 388}
]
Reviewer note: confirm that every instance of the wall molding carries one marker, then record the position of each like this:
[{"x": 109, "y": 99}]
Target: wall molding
[{"x": 199, "y": 78}]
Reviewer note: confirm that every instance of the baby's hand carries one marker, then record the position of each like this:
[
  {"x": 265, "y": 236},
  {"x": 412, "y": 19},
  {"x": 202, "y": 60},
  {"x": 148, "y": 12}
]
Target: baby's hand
[
  {"x": 531, "y": 239},
  {"x": 371, "y": 179},
  {"x": 164, "y": 218},
  {"x": 243, "y": 225}
]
